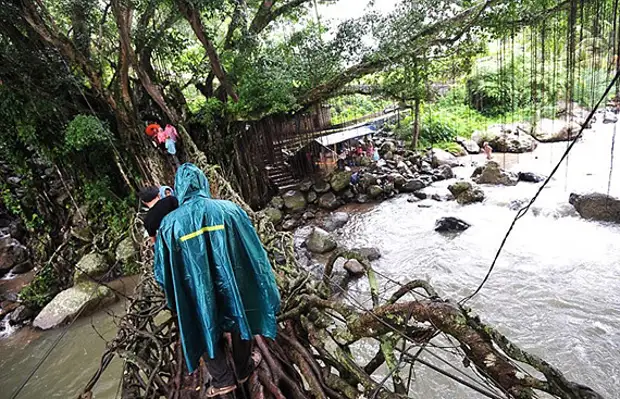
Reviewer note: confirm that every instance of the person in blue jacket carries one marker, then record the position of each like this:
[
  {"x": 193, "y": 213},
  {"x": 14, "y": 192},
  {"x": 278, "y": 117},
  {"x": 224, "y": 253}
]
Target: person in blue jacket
[{"x": 217, "y": 278}]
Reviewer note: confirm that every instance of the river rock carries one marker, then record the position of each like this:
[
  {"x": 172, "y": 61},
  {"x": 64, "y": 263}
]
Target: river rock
[
  {"x": 274, "y": 215},
  {"x": 441, "y": 157},
  {"x": 388, "y": 156},
  {"x": 81, "y": 299},
  {"x": 531, "y": 177},
  {"x": 610, "y": 118},
  {"x": 354, "y": 268},
  {"x": 21, "y": 315},
  {"x": 374, "y": 191},
  {"x": 320, "y": 241},
  {"x": 370, "y": 253},
  {"x": 466, "y": 192},
  {"x": 413, "y": 199},
  {"x": 12, "y": 253},
  {"x": 450, "y": 224},
  {"x": 444, "y": 172},
  {"x": 412, "y": 186},
  {"x": 421, "y": 195},
  {"x": 491, "y": 173},
  {"x": 305, "y": 186},
  {"x": 329, "y": 201},
  {"x": 361, "y": 198},
  {"x": 312, "y": 197},
  {"x": 469, "y": 145},
  {"x": 367, "y": 180},
  {"x": 336, "y": 220},
  {"x": 308, "y": 215},
  {"x": 548, "y": 130},
  {"x": 290, "y": 224},
  {"x": 294, "y": 201},
  {"x": 125, "y": 251},
  {"x": 340, "y": 181},
  {"x": 426, "y": 168},
  {"x": 348, "y": 195},
  {"x": 321, "y": 187},
  {"x": 22, "y": 268},
  {"x": 596, "y": 206},
  {"x": 277, "y": 203},
  {"x": 388, "y": 146},
  {"x": 512, "y": 138},
  {"x": 398, "y": 179},
  {"x": 92, "y": 265}
]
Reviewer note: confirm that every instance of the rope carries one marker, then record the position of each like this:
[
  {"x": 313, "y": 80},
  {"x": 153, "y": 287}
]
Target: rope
[{"x": 525, "y": 209}]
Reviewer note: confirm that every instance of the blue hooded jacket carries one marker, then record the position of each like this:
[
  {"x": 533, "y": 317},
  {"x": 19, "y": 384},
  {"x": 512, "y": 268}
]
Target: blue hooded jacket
[{"x": 213, "y": 269}]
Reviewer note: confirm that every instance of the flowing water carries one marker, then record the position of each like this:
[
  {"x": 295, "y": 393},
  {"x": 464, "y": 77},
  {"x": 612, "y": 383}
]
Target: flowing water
[
  {"x": 556, "y": 287},
  {"x": 555, "y": 290}
]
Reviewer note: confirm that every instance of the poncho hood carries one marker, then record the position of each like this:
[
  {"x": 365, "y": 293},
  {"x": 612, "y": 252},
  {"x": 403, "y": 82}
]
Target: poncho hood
[{"x": 190, "y": 183}]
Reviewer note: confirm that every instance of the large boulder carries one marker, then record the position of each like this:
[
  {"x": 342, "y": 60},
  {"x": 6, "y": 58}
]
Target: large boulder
[
  {"x": 398, "y": 179},
  {"x": 388, "y": 146},
  {"x": 294, "y": 201},
  {"x": 531, "y": 177},
  {"x": 367, "y": 180},
  {"x": 12, "y": 253},
  {"x": 312, "y": 197},
  {"x": 320, "y": 241},
  {"x": 466, "y": 192},
  {"x": 336, "y": 220},
  {"x": 450, "y": 224},
  {"x": 80, "y": 300},
  {"x": 274, "y": 215},
  {"x": 412, "y": 186},
  {"x": 442, "y": 157},
  {"x": 513, "y": 138},
  {"x": 340, "y": 181},
  {"x": 305, "y": 186},
  {"x": 21, "y": 315},
  {"x": 92, "y": 265},
  {"x": 444, "y": 172},
  {"x": 469, "y": 145},
  {"x": 277, "y": 202},
  {"x": 596, "y": 206},
  {"x": 329, "y": 201},
  {"x": 125, "y": 251},
  {"x": 548, "y": 130},
  {"x": 491, "y": 173},
  {"x": 321, "y": 187},
  {"x": 610, "y": 117},
  {"x": 354, "y": 268},
  {"x": 374, "y": 191},
  {"x": 369, "y": 253}
]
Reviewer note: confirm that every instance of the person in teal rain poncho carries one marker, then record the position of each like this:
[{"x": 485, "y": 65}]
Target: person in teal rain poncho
[{"x": 217, "y": 277}]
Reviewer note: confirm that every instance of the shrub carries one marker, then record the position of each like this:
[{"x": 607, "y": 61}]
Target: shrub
[{"x": 87, "y": 132}]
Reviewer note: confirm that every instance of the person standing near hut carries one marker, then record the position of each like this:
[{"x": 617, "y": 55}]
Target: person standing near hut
[{"x": 217, "y": 278}]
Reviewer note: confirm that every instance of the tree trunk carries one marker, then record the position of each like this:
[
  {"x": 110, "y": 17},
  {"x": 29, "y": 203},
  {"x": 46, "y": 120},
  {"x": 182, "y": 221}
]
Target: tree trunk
[{"x": 416, "y": 124}]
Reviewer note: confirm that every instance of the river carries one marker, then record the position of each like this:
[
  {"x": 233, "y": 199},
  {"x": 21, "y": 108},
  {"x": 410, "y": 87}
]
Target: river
[{"x": 555, "y": 290}]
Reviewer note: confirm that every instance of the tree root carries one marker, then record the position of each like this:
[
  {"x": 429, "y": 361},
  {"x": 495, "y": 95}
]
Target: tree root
[{"x": 312, "y": 355}]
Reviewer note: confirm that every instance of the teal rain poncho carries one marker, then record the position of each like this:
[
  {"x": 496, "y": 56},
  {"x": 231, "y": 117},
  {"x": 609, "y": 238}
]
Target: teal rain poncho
[{"x": 213, "y": 269}]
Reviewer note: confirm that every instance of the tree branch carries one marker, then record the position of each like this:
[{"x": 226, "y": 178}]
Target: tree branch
[
  {"x": 194, "y": 20},
  {"x": 267, "y": 14}
]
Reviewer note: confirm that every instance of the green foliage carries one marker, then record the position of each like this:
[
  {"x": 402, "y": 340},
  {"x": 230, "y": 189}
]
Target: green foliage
[
  {"x": 130, "y": 268},
  {"x": 41, "y": 290},
  {"x": 104, "y": 206},
  {"x": 347, "y": 108},
  {"x": 86, "y": 132}
]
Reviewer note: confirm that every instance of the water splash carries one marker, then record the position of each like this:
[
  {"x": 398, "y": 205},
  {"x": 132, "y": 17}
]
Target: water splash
[{"x": 6, "y": 329}]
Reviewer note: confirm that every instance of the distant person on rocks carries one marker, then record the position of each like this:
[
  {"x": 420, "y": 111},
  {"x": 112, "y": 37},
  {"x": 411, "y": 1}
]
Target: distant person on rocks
[
  {"x": 217, "y": 279},
  {"x": 488, "y": 150},
  {"x": 159, "y": 206}
]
